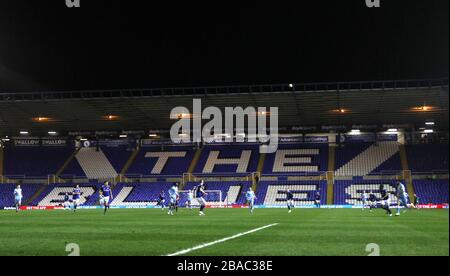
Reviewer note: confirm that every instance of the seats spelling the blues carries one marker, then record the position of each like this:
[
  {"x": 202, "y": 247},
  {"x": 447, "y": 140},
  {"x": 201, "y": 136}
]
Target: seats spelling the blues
[
  {"x": 352, "y": 159},
  {"x": 364, "y": 159},
  {"x": 298, "y": 158},
  {"x": 274, "y": 192},
  {"x": 167, "y": 160},
  {"x": 228, "y": 159}
]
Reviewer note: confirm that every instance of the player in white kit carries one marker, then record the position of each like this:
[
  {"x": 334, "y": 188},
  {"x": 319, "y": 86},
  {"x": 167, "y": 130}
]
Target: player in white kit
[
  {"x": 18, "y": 197},
  {"x": 250, "y": 197}
]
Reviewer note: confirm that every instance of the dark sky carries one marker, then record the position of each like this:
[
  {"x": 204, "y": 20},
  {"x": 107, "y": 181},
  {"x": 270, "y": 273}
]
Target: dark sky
[{"x": 141, "y": 44}]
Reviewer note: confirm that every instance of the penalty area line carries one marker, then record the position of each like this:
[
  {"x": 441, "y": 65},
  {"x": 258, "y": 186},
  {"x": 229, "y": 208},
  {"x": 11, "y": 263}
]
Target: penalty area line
[{"x": 185, "y": 251}]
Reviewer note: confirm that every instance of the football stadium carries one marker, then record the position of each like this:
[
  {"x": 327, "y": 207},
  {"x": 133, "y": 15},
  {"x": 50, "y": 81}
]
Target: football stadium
[{"x": 325, "y": 168}]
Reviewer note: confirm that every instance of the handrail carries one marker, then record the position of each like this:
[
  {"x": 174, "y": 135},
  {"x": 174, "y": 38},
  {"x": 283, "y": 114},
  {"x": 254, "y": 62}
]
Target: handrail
[{"x": 233, "y": 89}]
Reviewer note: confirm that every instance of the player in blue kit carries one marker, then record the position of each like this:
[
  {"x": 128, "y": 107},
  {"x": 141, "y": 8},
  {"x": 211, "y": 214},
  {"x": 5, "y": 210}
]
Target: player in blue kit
[
  {"x": 250, "y": 197},
  {"x": 76, "y": 197},
  {"x": 200, "y": 196},
  {"x": 173, "y": 195},
  {"x": 290, "y": 200},
  {"x": 105, "y": 196},
  {"x": 385, "y": 200},
  {"x": 161, "y": 200},
  {"x": 66, "y": 201},
  {"x": 317, "y": 200},
  {"x": 372, "y": 201}
]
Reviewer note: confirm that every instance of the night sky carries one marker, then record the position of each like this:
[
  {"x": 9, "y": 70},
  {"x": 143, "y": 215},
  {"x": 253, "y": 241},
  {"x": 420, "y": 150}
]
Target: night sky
[{"x": 130, "y": 44}]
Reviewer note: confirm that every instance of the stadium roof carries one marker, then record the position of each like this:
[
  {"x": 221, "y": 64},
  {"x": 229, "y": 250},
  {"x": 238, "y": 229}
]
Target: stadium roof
[{"x": 368, "y": 103}]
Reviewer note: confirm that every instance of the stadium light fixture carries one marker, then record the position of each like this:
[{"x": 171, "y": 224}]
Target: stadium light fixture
[
  {"x": 428, "y": 131},
  {"x": 111, "y": 117},
  {"x": 340, "y": 110},
  {"x": 430, "y": 123},
  {"x": 41, "y": 119},
  {"x": 355, "y": 132},
  {"x": 152, "y": 135},
  {"x": 24, "y": 133},
  {"x": 392, "y": 130},
  {"x": 123, "y": 136},
  {"x": 52, "y": 133},
  {"x": 423, "y": 108}
]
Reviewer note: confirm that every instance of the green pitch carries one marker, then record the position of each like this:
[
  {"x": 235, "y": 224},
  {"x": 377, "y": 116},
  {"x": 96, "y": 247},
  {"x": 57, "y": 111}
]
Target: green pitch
[{"x": 152, "y": 232}]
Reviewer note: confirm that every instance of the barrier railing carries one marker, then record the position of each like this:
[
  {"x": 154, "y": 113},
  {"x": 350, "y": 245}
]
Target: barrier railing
[
  {"x": 237, "y": 89},
  {"x": 194, "y": 177}
]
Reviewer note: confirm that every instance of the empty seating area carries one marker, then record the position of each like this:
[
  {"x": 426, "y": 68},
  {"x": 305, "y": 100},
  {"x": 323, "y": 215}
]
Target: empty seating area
[
  {"x": 228, "y": 159},
  {"x": 95, "y": 164},
  {"x": 274, "y": 193},
  {"x": 311, "y": 159},
  {"x": 7, "y": 193},
  {"x": 139, "y": 194},
  {"x": 53, "y": 195},
  {"x": 157, "y": 160},
  {"x": 425, "y": 158},
  {"x": 163, "y": 164},
  {"x": 349, "y": 192},
  {"x": 35, "y": 161},
  {"x": 432, "y": 191},
  {"x": 370, "y": 159}
]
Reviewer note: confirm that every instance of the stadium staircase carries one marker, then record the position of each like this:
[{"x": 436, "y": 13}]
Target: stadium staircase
[
  {"x": 64, "y": 166},
  {"x": 369, "y": 160},
  {"x": 95, "y": 164},
  {"x": 127, "y": 165},
  {"x": 1, "y": 160},
  {"x": 262, "y": 160},
  {"x": 407, "y": 176},
  {"x": 192, "y": 166},
  {"x": 38, "y": 193},
  {"x": 330, "y": 173}
]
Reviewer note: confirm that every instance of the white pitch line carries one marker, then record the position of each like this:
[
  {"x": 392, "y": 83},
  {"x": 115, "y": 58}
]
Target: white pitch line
[{"x": 182, "y": 252}]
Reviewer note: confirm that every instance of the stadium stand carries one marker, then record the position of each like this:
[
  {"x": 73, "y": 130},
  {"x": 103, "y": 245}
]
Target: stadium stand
[
  {"x": 274, "y": 192},
  {"x": 228, "y": 159},
  {"x": 427, "y": 157},
  {"x": 167, "y": 160},
  {"x": 6, "y": 193},
  {"x": 232, "y": 192},
  {"x": 53, "y": 194},
  {"x": 432, "y": 191},
  {"x": 349, "y": 192},
  {"x": 299, "y": 167},
  {"x": 132, "y": 194},
  {"x": 308, "y": 159},
  {"x": 369, "y": 159},
  {"x": 35, "y": 161}
]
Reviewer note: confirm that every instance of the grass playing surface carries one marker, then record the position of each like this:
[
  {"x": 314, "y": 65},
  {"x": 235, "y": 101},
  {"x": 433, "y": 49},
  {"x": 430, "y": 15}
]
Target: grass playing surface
[{"x": 308, "y": 232}]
